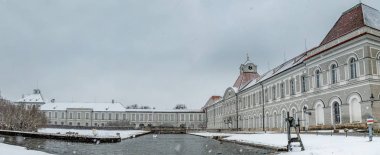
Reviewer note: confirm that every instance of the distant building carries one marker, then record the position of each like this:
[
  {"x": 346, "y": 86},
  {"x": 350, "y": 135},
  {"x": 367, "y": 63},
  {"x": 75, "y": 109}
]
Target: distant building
[
  {"x": 31, "y": 100},
  {"x": 101, "y": 114},
  {"x": 334, "y": 85}
]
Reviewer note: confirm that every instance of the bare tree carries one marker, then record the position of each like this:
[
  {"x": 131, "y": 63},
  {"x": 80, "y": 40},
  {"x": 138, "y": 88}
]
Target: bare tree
[
  {"x": 180, "y": 106},
  {"x": 17, "y": 117}
]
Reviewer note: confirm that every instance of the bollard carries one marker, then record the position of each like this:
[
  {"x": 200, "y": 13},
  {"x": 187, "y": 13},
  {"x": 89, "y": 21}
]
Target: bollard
[{"x": 346, "y": 130}]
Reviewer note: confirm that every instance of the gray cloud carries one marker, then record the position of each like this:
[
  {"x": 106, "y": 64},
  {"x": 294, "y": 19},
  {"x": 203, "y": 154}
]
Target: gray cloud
[{"x": 156, "y": 53}]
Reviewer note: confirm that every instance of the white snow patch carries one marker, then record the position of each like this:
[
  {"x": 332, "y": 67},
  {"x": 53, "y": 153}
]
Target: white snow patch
[
  {"x": 371, "y": 17},
  {"x": 316, "y": 145},
  {"x": 100, "y": 133},
  {"x": 18, "y": 150}
]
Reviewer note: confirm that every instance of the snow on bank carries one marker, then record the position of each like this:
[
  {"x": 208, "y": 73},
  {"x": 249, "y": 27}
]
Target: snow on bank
[
  {"x": 18, "y": 150},
  {"x": 100, "y": 133},
  {"x": 316, "y": 145}
]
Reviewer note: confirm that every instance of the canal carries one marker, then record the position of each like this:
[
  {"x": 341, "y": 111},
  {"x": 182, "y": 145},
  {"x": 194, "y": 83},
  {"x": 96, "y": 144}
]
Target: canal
[{"x": 165, "y": 144}]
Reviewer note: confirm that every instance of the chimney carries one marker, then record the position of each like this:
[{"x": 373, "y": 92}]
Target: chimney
[
  {"x": 52, "y": 100},
  {"x": 113, "y": 101}
]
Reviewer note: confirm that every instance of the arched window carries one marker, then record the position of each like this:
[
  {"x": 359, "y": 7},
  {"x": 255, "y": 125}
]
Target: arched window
[
  {"x": 305, "y": 116},
  {"x": 275, "y": 119},
  {"x": 355, "y": 109},
  {"x": 317, "y": 78},
  {"x": 253, "y": 121},
  {"x": 319, "y": 116},
  {"x": 283, "y": 122},
  {"x": 260, "y": 120},
  {"x": 294, "y": 114},
  {"x": 353, "y": 68},
  {"x": 333, "y": 74},
  {"x": 267, "y": 121},
  {"x": 336, "y": 112}
]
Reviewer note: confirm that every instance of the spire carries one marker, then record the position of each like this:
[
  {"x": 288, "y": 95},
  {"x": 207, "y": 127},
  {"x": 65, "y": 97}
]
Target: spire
[{"x": 247, "y": 57}]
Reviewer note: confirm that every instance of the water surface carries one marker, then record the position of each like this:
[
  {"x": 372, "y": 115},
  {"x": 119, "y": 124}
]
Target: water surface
[{"x": 165, "y": 144}]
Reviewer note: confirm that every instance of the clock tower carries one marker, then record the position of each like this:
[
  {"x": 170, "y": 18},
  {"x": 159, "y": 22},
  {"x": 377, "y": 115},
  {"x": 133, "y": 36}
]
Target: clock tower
[
  {"x": 248, "y": 73},
  {"x": 248, "y": 67}
]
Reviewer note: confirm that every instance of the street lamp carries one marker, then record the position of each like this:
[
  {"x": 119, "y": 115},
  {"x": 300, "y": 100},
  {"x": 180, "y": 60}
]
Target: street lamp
[
  {"x": 372, "y": 99},
  {"x": 305, "y": 110}
]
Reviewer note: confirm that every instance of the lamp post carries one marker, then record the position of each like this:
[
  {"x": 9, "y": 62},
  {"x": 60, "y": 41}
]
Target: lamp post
[
  {"x": 306, "y": 112},
  {"x": 372, "y": 99},
  {"x": 370, "y": 119}
]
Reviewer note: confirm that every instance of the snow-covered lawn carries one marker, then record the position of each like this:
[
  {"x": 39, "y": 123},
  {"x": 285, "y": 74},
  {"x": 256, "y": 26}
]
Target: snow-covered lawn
[
  {"x": 100, "y": 133},
  {"x": 18, "y": 150},
  {"x": 315, "y": 145}
]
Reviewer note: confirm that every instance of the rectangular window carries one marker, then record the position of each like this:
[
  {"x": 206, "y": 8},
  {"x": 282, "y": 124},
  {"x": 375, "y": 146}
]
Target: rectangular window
[
  {"x": 62, "y": 115},
  {"x": 141, "y": 117},
  {"x": 273, "y": 92},
  {"x": 254, "y": 98},
  {"x": 78, "y": 115},
  {"x": 191, "y": 117},
  {"x": 260, "y": 98},
  {"x": 102, "y": 116},
  {"x": 137, "y": 117},
  {"x": 292, "y": 90},
  {"x": 282, "y": 90},
  {"x": 166, "y": 117},
  {"x": 96, "y": 116},
  {"x": 49, "y": 114},
  {"x": 172, "y": 117},
  {"x": 266, "y": 95},
  {"x": 303, "y": 83},
  {"x": 150, "y": 117},
  {"x": 124, "y": 116},
  {"x": 160, "y": 117},
  {"x": 71, "y": 115},
  {"x": 117, "y": 116},
  {"x": 133, "y": 117},
  {"x": 87, "y": 116},
  {"x": 182, "y": 117},
  {"x": 109, "y": 116},
  {"x": 55, "y": 115},
  {"x": 200, "y": 117}
]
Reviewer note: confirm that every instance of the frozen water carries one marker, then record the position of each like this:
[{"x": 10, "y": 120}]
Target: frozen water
[{"x": 178, "y": 148}]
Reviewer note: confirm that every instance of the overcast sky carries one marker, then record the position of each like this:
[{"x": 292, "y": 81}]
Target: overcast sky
[{"x": 147, "y": 52}]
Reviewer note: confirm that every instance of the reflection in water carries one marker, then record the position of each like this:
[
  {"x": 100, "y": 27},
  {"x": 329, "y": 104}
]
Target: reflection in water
[{"x": 168, "y": 144}]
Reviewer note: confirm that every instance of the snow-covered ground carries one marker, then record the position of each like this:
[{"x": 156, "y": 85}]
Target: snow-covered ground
[
  {"x": 18, "y": 150},
  {"x": 100, "y": 133},
  {"x": 314, "y": 145}
]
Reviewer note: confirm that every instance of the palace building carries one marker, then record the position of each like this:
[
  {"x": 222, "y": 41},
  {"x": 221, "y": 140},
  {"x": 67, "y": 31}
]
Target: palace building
[
  {"x": 109, "y": 114},
  {"x": 112, "y": 114},
  {"x": 332, "y": 86}
]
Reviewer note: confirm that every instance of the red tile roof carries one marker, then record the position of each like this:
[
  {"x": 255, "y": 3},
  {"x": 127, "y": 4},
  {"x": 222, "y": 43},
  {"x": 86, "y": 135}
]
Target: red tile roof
[
  {"x": 350, "y": 20},
  {"x": 244, "y": 79},
  {"x": 215, "y": 98}
]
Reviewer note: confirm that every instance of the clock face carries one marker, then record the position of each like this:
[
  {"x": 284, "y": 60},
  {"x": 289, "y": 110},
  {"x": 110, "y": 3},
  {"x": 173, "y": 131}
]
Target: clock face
[{"x": 250, "y": 67}]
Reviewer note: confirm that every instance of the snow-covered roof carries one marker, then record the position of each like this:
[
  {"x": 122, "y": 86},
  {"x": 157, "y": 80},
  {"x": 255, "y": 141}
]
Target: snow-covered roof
[
  {"x": 32, "y": 98},
  {"x": 164, "y": 110},
  {"x": 105, "y": 107},
  {"x": 371, "y": 17},
  {"x": 93, "y": 106},
  {"x": 285, "y": 66}
]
